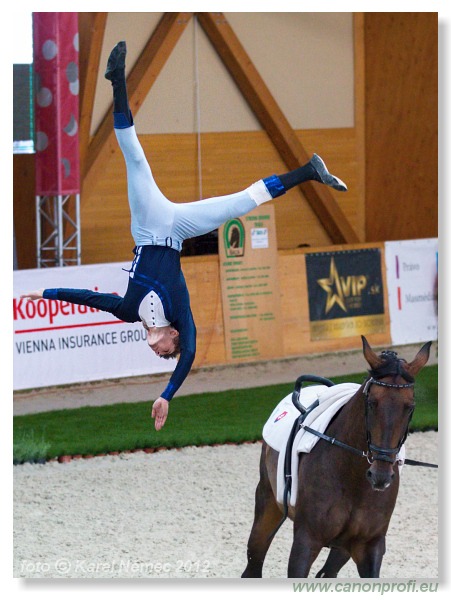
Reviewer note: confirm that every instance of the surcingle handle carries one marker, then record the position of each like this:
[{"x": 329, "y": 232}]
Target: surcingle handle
[{"x": 298, "y": 387}]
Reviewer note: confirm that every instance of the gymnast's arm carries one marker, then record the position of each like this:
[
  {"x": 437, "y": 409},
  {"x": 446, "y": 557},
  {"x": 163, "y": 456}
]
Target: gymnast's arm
[
  {"x": 187, "y": 336},
  {"x": 111, "y": 303}
]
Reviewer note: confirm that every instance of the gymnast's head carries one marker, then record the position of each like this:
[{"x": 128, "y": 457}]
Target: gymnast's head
[{"x": 164, "y": 341}]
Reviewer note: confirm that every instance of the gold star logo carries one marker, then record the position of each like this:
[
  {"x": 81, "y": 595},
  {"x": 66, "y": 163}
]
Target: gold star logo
[{"x": 329, "y": 285}]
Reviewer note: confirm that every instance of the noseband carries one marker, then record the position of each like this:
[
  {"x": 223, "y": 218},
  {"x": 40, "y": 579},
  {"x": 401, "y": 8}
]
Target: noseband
[{"x": 377, "y": 452}]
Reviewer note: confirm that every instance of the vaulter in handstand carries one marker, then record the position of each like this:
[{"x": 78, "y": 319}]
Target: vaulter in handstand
[{"x": 157, "y": 294}]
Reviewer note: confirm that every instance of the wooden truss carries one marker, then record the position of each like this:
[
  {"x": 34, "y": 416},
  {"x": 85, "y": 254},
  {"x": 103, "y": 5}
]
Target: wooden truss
[{"x": 94, "y": 152}]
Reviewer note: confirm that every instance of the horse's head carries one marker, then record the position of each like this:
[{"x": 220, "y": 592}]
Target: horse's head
[{"x": 389, "y": 405}]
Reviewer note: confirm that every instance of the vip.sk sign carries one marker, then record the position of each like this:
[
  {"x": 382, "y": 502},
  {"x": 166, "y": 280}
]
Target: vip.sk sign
[{"x": 345, "y": 293}]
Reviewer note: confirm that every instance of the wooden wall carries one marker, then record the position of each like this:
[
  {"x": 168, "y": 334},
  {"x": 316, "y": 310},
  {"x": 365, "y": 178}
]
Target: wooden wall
[
  {"x": 230, "y": 162},
  {"x": 401, "y": 111},
  {"x": 24, "y": 210}
]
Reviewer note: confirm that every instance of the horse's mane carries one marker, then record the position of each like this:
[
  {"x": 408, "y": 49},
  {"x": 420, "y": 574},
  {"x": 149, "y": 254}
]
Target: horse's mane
[{"x": 392, "y": 365}]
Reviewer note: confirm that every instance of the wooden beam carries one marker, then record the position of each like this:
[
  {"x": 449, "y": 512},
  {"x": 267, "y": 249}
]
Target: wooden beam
[
  {"x": 359, "y": 102},
  {"x": 271, "y": 117},
  {"x": 139, "y": 82},
  {"x": 91, "y": 28}
]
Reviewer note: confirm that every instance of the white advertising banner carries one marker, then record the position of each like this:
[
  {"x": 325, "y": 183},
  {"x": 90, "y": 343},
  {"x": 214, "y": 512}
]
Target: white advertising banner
[
  {"x": 412, "y": 278},
  {"x": 58, "y": 343}
]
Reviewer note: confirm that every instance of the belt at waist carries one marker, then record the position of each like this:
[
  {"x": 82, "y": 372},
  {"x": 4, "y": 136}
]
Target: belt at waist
[{"x": 169, "y": 242}]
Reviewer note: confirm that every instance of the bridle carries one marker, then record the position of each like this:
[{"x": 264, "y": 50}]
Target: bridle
[
  {"x": 377, "y": 452},
  {"x": 373, "y": 452}
]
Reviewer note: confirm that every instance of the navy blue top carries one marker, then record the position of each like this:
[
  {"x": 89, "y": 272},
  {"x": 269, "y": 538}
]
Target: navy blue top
[{"x": 156, "y": 268}]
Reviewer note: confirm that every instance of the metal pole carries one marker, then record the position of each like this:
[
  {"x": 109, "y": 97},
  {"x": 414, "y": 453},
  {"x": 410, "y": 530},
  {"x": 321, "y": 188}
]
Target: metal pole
[
  {"x": 77, "y": 223},
  {"x": 38, "y": 231},
  {"x": 59, "y": 220}
]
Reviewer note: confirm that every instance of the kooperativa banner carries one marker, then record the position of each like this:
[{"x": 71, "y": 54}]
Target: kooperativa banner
[
  {"x": 56, "y": 343},
  {"x": 345, "y": 293}
]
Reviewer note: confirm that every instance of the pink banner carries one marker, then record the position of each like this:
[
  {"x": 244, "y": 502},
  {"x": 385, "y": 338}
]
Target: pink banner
[{"x": 55, "y": 48}]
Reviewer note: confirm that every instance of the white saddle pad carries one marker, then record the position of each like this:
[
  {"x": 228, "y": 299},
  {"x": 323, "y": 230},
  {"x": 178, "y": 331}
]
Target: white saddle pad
[{"x": 278, "y": 427}]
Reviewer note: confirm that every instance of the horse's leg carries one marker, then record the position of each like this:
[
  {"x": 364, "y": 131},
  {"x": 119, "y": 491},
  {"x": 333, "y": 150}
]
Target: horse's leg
[
  {"x": 368, "y": 557},
  {"x": 337, "y": 558},
  {"x": 267, "y": 517},
  {"x": 303, "y": 553}
]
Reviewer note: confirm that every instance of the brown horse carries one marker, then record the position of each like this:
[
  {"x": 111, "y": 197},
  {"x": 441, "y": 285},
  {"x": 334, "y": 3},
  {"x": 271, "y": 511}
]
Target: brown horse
[{"x": 345, "y": 500}]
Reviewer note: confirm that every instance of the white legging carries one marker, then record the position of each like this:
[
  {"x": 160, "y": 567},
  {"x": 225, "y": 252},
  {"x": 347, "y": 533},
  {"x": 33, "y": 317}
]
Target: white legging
[{"x": 154, "y": 218}]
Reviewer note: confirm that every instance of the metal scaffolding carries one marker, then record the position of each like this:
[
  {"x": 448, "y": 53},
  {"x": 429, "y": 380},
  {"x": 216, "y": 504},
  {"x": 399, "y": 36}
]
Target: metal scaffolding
[{"x": 58, "y": 230}]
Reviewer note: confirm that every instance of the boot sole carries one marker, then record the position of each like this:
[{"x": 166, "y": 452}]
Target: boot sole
[{"x": 326, "y": 177}]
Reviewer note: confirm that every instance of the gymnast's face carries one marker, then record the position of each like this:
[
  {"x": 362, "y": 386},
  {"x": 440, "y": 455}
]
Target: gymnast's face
[{"x": 163, "y": 340}]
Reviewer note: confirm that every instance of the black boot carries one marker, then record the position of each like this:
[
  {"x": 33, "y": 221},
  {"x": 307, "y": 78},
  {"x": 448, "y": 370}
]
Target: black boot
[
  {"x": 115, "y": 72},
  {"x": 314, "y": 170},
  {"x": 324, "y": 176},
  {"x": 115, "y": 68}
]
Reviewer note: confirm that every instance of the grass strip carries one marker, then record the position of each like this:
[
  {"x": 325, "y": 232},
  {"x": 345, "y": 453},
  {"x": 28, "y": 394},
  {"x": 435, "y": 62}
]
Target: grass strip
[{"x": 211, "y": 418}]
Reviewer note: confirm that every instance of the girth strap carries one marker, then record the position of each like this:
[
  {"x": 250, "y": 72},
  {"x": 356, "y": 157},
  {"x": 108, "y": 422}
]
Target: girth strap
[{"x": 304, "y": 412}]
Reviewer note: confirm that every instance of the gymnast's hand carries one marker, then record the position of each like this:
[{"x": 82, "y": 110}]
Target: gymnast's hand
[
  {"x": 160, "y": 411},
  {"x": 33, "y": 295}
]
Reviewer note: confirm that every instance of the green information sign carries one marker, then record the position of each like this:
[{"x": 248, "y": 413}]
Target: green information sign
[{"x": 250, "y": 290}]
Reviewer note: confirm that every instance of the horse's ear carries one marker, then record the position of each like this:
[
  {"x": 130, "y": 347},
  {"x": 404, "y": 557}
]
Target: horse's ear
[
  {"x": 370, "y": 356},
  {"x": 420, "y": 360}
]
